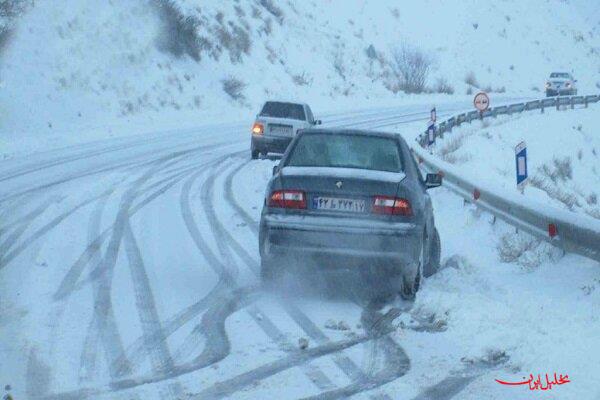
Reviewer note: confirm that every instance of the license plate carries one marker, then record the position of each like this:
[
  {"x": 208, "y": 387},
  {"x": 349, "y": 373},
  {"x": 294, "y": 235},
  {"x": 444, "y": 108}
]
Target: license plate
[
  {"x": 338, "y": 204},
  {"x": 281, "y": 130}
]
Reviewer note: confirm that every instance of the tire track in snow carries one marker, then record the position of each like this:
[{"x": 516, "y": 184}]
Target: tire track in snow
[
  {"x": 159, "y": 353},
  {"x": 229, "y": 386},
  {"x": 103, "y": 320},
  {"x": 22, "y": 224},
  {"x": 69, "y": 282},
  {"x": 314, "y": 374},
  {"x": 11, "y": 255}
]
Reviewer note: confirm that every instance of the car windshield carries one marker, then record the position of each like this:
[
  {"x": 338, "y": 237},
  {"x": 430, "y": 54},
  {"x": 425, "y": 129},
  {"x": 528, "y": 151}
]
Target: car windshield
[
  {"x": 348, "y": 151},
  {"x": 562, "y": 75},
  {"x": 283, "y": 110}
]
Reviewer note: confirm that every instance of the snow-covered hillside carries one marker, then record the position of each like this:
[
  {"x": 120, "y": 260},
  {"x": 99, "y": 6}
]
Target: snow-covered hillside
[
  {"x": 563, "y": 155},
  {"x": 94, "y": 68}
]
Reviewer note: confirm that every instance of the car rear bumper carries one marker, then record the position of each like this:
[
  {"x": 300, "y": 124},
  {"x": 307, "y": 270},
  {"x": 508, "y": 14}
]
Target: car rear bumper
[
  {"x": 559, "y": 92},
  {"x": 270, "y": 144},
  {"x": 333, "y": 243}
]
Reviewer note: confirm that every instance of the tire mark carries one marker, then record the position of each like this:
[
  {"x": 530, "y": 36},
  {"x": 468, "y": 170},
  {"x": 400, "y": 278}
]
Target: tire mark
[
  {"x": 8, "y": 257},
  {"x": 69, "y": 282},
  {"x": 91, "y": 172},
  {"x": 87, "y": 362},
  {"x": 23, "y": 223},
  {"x": 160, "y": 356},
  {"x": 103, "y": 317},
  {"x": 313, "y": 373},
  {"x": 227, "y": 387},
  {"x": 29, "y": 216}
]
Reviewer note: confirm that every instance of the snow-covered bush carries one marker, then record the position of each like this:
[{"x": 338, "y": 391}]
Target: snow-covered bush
[
  {"x": 471, "y": 80},
  {"x": 411, "y": 67},
  {"x": 442, "y": 86},
  {"x": 234, "y": 88},
  {"x": 179, "y": 36}
]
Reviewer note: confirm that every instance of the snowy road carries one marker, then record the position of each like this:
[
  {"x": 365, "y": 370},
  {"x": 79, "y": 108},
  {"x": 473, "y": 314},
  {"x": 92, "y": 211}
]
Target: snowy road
[{"x": 130, "y": 270}]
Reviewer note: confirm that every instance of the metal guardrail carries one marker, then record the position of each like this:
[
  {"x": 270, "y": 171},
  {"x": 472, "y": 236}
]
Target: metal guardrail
[
  {"x": 542, "y": 104},
  {"x": 569, "y": 231}
]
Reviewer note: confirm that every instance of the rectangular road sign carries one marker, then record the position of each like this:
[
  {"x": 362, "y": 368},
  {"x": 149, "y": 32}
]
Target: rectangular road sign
[
  {"x": 521, "y": 164},
  {"x": 431, "y": 133}
]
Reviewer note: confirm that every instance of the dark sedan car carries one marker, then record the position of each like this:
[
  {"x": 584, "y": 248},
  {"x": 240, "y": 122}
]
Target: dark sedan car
[{"x": 353, "y": 201}]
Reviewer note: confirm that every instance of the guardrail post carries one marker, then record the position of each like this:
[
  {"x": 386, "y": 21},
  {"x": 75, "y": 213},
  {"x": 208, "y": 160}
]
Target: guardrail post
[
  {"x": 572, "y": 103},
  {"x": 557, "y": 103},
  {"x": 585, "y": 101},
  {"x": 542, "y": 106}
]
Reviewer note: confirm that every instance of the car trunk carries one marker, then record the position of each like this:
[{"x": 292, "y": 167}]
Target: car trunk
[{"x": 342, "y": 192}]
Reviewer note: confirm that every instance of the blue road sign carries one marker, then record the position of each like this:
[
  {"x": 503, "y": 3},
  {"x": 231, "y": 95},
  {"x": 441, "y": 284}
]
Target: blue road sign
[
  {"x": 521, "y": 164},
  {"x": 431, "y": 133}
]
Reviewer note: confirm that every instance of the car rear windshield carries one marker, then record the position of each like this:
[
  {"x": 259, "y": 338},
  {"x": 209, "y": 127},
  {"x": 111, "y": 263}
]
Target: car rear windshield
[
  {"x": 347, "y": 151},
  {"x": 283, "y": 110},
  {"x": 559, "y": 75}
]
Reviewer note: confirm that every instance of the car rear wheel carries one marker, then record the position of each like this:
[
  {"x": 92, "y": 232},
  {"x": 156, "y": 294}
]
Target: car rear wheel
[
  {"x": 254, "y": 154},
  {"x": 411, "y": 285},
  {"x": 433, "y": 262}
]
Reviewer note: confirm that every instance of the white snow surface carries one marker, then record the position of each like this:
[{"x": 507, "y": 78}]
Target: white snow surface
[
  {"x": 563, "y": 156},
  {"x": 131, "y": 270},
  {"x": 95, "y": 69}
]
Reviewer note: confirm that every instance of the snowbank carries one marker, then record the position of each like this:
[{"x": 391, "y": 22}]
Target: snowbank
[{"x": 563, "y": 150}]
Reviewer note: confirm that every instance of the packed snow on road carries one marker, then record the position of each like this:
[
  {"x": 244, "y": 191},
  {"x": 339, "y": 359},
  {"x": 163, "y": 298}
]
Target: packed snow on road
[{"x": 206, "y": 200}]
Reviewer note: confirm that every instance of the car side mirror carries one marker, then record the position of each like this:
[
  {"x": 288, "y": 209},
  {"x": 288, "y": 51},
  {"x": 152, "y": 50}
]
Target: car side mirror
[
  {"x": 317, "y": 122},
  {"x": 433, "y": 180}
]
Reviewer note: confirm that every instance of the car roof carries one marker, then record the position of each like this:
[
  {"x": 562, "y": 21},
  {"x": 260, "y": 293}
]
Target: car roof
[
  {"x": 343, "y": 131},
  {"x": 286, "y": 101}
]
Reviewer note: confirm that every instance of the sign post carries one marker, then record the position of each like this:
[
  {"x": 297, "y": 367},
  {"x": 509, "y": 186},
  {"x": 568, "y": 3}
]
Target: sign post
[
  {"x": 431, "y": 128},
  {"x": 521, "y": 165},
  {"x": 431, "y": 134}
]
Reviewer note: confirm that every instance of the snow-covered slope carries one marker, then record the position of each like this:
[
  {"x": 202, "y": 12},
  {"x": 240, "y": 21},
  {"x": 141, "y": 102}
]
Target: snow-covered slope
[
  {"x": 95, "y": 68},
  {"x": 563, "y": 155}
]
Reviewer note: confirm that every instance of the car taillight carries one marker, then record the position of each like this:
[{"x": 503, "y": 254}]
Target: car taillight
[
  {"x": 258, "y": 129},
  {"x": 287, "y": 199},
  {"x": 391, "y": 206}
]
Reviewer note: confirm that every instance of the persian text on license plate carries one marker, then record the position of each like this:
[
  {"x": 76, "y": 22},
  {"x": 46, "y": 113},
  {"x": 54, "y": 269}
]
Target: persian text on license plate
[{"x": 338, "y": 204}]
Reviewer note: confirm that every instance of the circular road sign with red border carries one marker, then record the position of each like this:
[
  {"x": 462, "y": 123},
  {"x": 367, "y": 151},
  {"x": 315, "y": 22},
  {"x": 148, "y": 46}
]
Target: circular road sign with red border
[{"x": 481, "y": 101}]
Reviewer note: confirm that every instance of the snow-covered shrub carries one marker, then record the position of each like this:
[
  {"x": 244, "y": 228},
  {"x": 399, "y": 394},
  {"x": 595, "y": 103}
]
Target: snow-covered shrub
[
  {"x": 442, "y": 86},
  {"x": 301, "y": 79},
  {"x": 234, "y": 88},
  {"x": 411, "y": 67},
  {"x": 554, "y": 191},
  {"x": 180, "y": 33},
  {"x": 560, "y": 169},
  {"x": 471, "y": 80},
  {"x": 236, "y": 40},
  {"x": 10, "y": 10},
  {"x": 272, "y": 9},
  {"x": 525, "y": 250}
]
